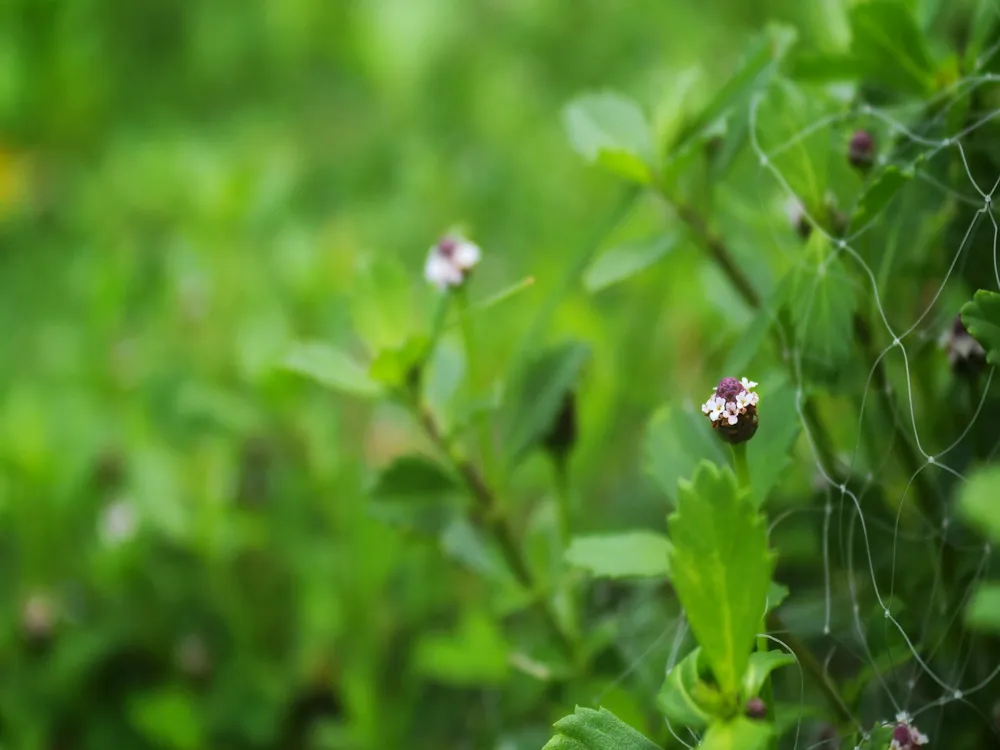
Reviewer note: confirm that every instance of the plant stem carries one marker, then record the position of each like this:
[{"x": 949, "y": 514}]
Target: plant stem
[
  {"x": 492, "y": 517},
  {"x": 811, "y": 666},
  {"x": 475, "y": 382},
  {"x": 740, "y": 464}
]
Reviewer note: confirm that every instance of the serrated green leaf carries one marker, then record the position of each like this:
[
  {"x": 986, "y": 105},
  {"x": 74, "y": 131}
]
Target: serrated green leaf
[
  {"x": 981, "y": 318},
  {"x": 983, "y": 612},
  {"x": 331, "y": 367},
  {"x": 626, "y": 260},
  {"x": 880, "y": 193},
  {"x": 677, "y": 440},
  {"x": 978, "y": 502},
  {"x": 889, "y": 47},
  {"x": 611, "y": 130},
  {"x": 632, "y": 554},
  {"x": 739, "y": 734},
  {"x": 720, "y": 568},
  {"x": 685, "y": 698},
  {"x": 762, "y": 663},
  {"x": 587, "y": 729},
  {"x": 538, "y": 396}
]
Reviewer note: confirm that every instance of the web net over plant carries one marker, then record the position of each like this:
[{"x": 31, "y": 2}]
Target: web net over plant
[
  {"x": 889, "y": 249},
  {"x": 907, "y": 571}
]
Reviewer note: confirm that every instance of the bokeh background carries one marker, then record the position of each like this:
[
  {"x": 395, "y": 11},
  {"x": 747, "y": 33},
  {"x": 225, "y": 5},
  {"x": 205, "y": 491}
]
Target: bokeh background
[{"x": 188, "y": 560}]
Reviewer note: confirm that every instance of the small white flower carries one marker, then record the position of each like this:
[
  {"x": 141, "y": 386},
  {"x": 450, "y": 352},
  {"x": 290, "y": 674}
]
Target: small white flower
[
  {"x": 919, "y": 738},
  {"x": 902, "y": 718},
  {"x": 450, "y": 260},
  {"x": 743, "y": 400},
  {"x": 118, "y": 523},
  {"x": 748, "y": 384},
  {"x": 732, "y": 412}
]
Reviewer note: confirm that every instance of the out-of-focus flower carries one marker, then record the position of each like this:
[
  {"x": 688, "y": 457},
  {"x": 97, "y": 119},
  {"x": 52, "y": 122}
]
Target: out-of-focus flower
[
  {"x": 118, "y": 523},
  {"x": 450, "y": 261},
  {"x": 861, "y": 149},
  {"x": 965, "y": 355},
  {"x": 193, "y": 657},
  {"x": 797, "y": 219},
  {"x": 905, "y": 734},
  {"x": 732, "y": 409},
  {"x": 38, "y": 616}
]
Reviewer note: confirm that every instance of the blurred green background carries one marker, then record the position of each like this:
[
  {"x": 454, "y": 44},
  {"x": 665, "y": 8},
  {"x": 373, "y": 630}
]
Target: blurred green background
[{"x": 185, "y": 189}]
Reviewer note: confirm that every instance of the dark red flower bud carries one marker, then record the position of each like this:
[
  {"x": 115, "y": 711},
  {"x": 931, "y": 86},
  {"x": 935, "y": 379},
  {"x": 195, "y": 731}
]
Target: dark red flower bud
[
  {"x": 756, "y": 708},
  {"x": 861, "y": 150}
]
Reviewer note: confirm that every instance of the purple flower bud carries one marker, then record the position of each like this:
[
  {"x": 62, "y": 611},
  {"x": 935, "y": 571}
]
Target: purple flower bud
[
  {"x": 756, "y": 708},
  {"x": 861, "y": 150}
]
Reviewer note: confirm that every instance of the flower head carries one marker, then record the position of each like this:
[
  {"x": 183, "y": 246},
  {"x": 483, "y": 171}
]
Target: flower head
[
  {"x": 905, "y": 735},
  {"x": 732, "y": 409},
  {"x": 450, "y": 261},
  {"x": 861, "y": 149}
]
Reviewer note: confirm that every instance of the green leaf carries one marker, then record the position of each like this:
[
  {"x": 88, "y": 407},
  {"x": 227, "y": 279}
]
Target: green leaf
[
  {"x": 624, "y": 261},
  {"x": 759, "y": 60},
  {"x": 412, "y": 478},
  {"x": 685, "y": 698},
  {"x": 984, "y": 609},
  {"x": 761, "y": 665},
  {"x": 633, "y": 554},
  {"x": 414, "y": 493},
  {"x": 394, "y": 367},
  {"x": 739, "y": 734},
  {"x": 978, "y": 502},
  {"x": 611, "y": 130},
  {"x": 889, "y": 47},
  {"x": 720, "y": 568},
  {"x": 538, "y": 397},
  {"x": 677, "y": 440},
  {"x": 823, "y": 302},
  {"x": 475, "y": 654},
  {"x": 776, "y": 594},
  {"x": 331, "y": 367},
  {"x": 587, "y": 729},
  {"x": 813, "y": 67},
  {"x": 880, "y": 193},
  {"x": 981, "y": 318},
  {"x": 169, "y": 718},
  {"x": 768, "y": 452},
  {"x": 382, "y": 307}
]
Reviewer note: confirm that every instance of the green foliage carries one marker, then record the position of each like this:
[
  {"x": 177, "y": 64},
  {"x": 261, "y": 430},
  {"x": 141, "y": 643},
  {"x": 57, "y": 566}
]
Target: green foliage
[
  {"x": 978, "y": 503},
  {"x": 631, "y": 554},
  {"x": 531, "y": 409},
  {"x": 612, "y": 131},
  {"x": 880, "y": 193},
  {"x": 983, "y": 612},
  {"x": 622, "y": 262},
  {"x": 720, "y": 568},
  {"x": 330, "y": 367},
  {"x": 981, "y": 317},
  {"x": 676, "y": 443},
  {"x": 587, "y": 729},
  {"x": 889, "y": 48},
  {"x": 762, "y": 663},
  {"x": 738, "y": 734},
  {"x": 686, "y": 699}
]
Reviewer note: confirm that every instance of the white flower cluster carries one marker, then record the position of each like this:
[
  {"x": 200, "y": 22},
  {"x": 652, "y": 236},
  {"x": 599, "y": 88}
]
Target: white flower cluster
[
  {"x": 449, "y": 262},
  {"x": 717, "y": 408},
  {"x": 906, "y": 735}
]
